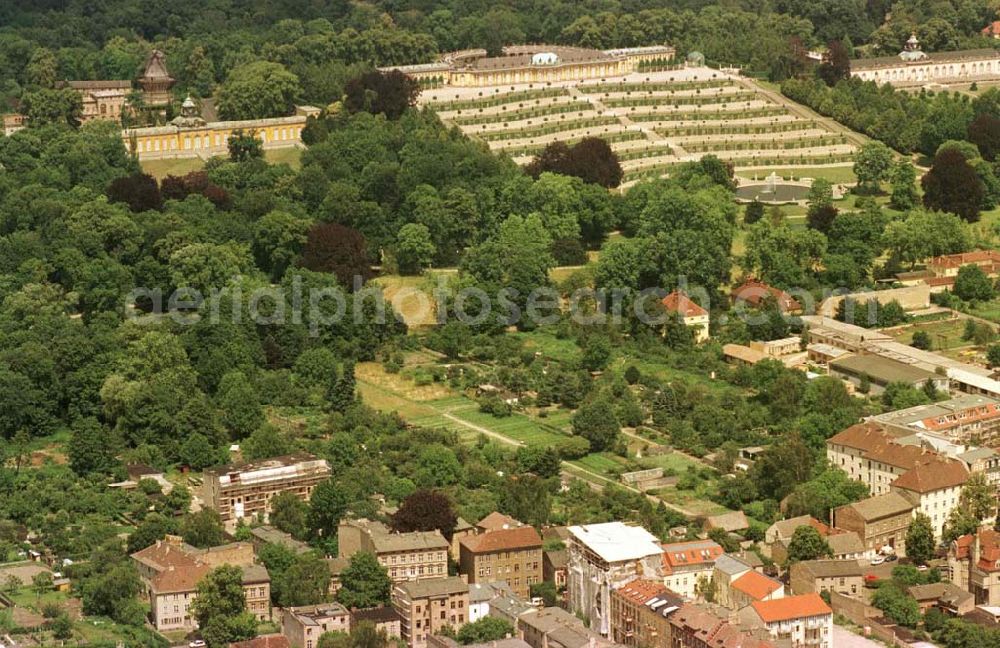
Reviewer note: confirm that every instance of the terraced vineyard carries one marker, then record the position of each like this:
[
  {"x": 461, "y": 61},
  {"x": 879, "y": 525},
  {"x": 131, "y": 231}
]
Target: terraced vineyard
[{"x": 652, "y": 120}]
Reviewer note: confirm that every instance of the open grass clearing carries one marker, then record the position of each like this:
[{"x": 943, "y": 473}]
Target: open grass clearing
[
  {"x": 944, "y": 334},
  {"x": 400, "y": 385},
  {"x": 160, "y": 169}
]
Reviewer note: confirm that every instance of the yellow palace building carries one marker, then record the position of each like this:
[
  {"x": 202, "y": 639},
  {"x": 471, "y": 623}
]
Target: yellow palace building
[
  {"x": 534, "y": 64},
  {"x": 191, "y": 136}
]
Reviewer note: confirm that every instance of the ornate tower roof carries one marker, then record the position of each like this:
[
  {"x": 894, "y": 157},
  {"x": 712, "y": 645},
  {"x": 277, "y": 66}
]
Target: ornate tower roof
[
  {"x": 156, "y": 80},
  {"x": 190, "y": 116},
  {"x": 911, "y": 51},
  {"x": 155, "y": 68}
]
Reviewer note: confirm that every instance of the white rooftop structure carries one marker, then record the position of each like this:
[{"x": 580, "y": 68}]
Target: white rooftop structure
[
  {"x": 544, "y": 58},
  {"x": 616, "y": 541}
]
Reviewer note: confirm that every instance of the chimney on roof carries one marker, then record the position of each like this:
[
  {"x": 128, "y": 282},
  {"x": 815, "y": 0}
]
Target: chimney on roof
[{"x": 976, "y": 549}]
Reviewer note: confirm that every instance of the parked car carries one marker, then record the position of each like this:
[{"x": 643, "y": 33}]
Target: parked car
[
  {"x": 877, "y": 560},
  {"x": 891, "y": 558},
  {"x": 197, "y": 643}
]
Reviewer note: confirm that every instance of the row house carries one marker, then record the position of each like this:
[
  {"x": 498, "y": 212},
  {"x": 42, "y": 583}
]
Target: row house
[
  {"x": 817, "y": 576},
  {"x": 512, "y": 555},
  {"x": 687, "y": 566},
  {"x": 640, "y": 614},
  {"x": 880, "y": 521},
  {"x": 804, "y": 620},
  {"x": 426, "y": 607},
  {"x": 417, "y": 555}
]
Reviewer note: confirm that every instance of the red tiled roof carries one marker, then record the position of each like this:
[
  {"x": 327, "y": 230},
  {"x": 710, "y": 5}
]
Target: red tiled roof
[
  {"x": 679, "y": 302},
  {"x": 992, "y": 28},
  {"x": 524, "y": 537},
  {"x": 696, "y": 552},
  {"x": 640, "y": 590},
  {"x": 879, "y": 445},
  {"x": 711, "y": 630},
  {"x": 989, "y": 549},
  {"x": 965, "y": 258},
  {"x": 756, "y": 585},
  {"x": 497, "y": 520},
  {"x": 754, "y": 293},
  {"x": 933, "y": 473},
  {"x": 975, "y": 414},
  {"x": 791, "y": 607},
  {"x": 940, "y": 281}
]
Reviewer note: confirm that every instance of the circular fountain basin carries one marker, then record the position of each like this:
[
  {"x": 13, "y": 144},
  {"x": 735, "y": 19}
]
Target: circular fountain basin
[{"x": 779, "y": 192}]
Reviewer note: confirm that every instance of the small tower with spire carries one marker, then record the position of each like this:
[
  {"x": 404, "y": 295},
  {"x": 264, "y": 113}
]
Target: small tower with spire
[
  {"x": 911, "y": 51},
  {"x": 156, "y": 81},
  {"x": 190, "y": 116}
]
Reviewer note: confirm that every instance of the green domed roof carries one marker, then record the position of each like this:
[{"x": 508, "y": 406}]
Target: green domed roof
[{"x": 695, "y": 57}]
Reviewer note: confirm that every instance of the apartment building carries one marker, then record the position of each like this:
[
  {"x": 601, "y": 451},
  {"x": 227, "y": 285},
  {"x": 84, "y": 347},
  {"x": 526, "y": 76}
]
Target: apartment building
[
  {"x": 880, "y": 521},
  {"x": 688, "y": 565},
  {"x": 968, "y": 418},
  {"x": 640, "y": 612},
  {"x": 603, "y": 557},
  {"x": 934, "y": 486},
  {"x": 417, "y": 555},
  {"x": 804, "y": 620},
  {"x": 427, "y": 606},
  {"x": 512, "y": 555},
  {"x": 171, "y": 570},
  {"x": 244, "y": 490},
  {"x": 304, "y": 625}
]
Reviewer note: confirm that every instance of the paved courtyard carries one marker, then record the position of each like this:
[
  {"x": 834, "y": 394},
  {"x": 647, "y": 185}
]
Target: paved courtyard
[{"x": 844, "y": 638}]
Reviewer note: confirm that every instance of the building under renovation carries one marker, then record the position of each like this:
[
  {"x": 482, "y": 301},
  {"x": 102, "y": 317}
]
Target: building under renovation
[
  {"x": 245, "y": 490},
  {"x": 604, "y": 557}
]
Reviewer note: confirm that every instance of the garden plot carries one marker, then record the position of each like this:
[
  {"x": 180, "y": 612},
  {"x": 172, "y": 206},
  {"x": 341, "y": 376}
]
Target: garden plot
[{"x": 653, "y": 121}]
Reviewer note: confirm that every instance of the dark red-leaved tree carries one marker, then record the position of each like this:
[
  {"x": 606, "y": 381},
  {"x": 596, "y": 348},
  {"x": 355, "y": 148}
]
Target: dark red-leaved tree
[
  {"x": 837, "y": 64},
  {"x": 389, "y": 93},
  {"x": 426, "y": 510},
  {"x": 331, "y": 247},
  {"x": 139, "y": 191},
  {"x": 984, "y": 132},
  {"x": 953, "y": 186},
  {"x": 173, "y": 188},
  {"x": 196, "y": 182},
  {"x": 590, "y": 159}
]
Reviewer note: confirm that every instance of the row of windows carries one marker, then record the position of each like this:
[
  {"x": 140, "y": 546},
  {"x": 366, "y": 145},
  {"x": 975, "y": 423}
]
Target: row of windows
[
  {"x": 205, "y": 141},
  {"x": 460, "y": 605},
  {"x": 414, "y": 557},
  {"x": 416, "y": 571}
]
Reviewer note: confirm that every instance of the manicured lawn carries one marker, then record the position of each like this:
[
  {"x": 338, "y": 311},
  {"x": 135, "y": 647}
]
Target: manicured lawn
[
  {"x": 161, "y": 168},
  {"x": 837, "y": 174}
]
